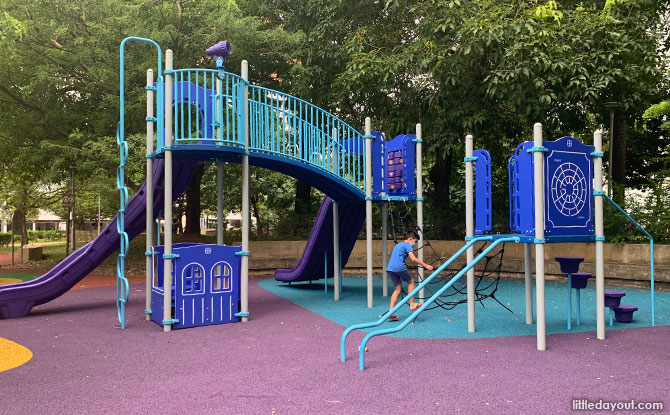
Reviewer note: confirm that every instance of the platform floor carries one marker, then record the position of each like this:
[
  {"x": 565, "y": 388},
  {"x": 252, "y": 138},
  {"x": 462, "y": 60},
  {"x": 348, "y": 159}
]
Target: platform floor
[
  {"x": 285, "y": 360},
  {"x": 492, "y": 320}
]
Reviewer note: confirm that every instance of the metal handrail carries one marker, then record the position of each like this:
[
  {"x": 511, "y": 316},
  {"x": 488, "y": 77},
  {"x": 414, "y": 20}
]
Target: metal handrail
[
  {"x": 283, "y": 125},
  {"x": 651, "y": 251},
  {"x": 416, "y": 290}
]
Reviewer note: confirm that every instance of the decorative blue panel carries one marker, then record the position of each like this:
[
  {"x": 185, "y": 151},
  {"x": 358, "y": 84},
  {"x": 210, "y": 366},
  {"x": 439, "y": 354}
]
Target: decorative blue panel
[
  {"x": 399, "y": 161},
  {"x": 378, "y": 163},
  {"x": 483, "y": 202},
  {"x": 521, "y": 212},
  {"x": 568, "y": 187},
  {"x": 206, "y": 289}
]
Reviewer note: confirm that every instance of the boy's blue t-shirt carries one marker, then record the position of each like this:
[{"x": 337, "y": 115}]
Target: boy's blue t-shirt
[{"x": 398, "y": 256}]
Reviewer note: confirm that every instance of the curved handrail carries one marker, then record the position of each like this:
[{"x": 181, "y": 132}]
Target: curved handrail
[
  {"x": 416, "y": 290},
  {"x": 283, "y": 125},
  {"x": 415, "y": 314},
  {"x": 651, "y": 249}
]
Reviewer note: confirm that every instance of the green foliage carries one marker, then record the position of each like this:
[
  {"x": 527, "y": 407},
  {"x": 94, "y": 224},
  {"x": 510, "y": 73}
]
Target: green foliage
[{"x": 47, "y": 236}]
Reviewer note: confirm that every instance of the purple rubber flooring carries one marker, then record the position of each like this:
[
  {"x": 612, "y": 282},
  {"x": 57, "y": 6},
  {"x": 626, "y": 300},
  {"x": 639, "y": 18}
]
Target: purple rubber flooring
[{"x": 286, "y": 361}]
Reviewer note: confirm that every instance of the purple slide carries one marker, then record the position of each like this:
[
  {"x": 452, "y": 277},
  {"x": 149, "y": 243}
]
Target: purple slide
[
  {"x": 311, "y": 265},
  {"x": 16, "y": 300}
]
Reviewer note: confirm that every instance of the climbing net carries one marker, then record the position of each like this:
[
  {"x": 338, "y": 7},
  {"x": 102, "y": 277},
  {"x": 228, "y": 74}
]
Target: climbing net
[{"x": 487, "y": 278}]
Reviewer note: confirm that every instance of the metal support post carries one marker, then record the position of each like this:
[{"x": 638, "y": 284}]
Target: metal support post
[
  {"x": 385, "y": 288},
  {"x": 600, "y": 234},
  {"x": 368, "y": 206},
  {"x": 336, "y": 252},
  {"x": 528, "y": 260},
  {"x": 219, "y": 166},
  {"x": 538, "y": 160},
  {"x": 244, "y": 284},
  {"x": 419, "y": 203},
  {"x": 167, "y": 207},
  {"x": 470, "y": 230}
]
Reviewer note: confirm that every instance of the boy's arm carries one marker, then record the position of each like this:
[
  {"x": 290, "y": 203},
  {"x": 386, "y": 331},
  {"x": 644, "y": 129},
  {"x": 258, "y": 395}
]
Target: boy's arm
[{"x": 418, "y": 261}]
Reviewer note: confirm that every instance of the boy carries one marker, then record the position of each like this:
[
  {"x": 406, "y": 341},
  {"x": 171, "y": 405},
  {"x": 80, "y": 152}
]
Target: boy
[{"x": 398, "y": 272}]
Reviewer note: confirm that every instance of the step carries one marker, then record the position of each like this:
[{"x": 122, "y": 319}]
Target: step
[
  {"x": 569, "y": 264},
  {"x": 580, "y": 279},
  {"x": 613, "y": 297},
  {"x": 624, "y": 313}
]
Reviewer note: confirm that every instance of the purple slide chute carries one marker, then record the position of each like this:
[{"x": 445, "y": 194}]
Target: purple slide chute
[
  {"x": 16, "y": 300},
  {"x": 311, "y": 265}
]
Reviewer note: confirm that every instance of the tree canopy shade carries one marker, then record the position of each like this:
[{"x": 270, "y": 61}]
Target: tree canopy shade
[{"x": 478, "y": 66}]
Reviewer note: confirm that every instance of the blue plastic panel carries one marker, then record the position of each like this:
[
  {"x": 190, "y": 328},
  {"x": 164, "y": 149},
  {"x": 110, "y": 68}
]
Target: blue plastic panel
[
  {"x": 568, "y": 187},
  {"x": 378, "y": 163},
  {"x": 483, "y": 202},
  {"x": 398, "y": 166},
  {"x": 206, "y": 289},
  {"x": 522, "y": 214}
]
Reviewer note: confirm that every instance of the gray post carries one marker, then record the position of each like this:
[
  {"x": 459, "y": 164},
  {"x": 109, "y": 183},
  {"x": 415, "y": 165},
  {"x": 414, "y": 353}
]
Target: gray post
[
  {"x": 419, "y": 202},
  {"x": 219, "y": 167},
  {"x": 385, "y": 288},
  {"x": 538, "y": 159},
  {"x": 150, "y": 193},
  {"x": 600, "y": 234},
  {"x": 244, "y": 284},
  {"x": 167, "y": 207},
  {"x": 99, "y": 208},
  {"x": 336, "y": 252},
  {"x": 470, "y": 230},
  {"x": 368, "y": 206},
  {"x": 528, "y": 260},
  {"x": 219, "y": 202}
]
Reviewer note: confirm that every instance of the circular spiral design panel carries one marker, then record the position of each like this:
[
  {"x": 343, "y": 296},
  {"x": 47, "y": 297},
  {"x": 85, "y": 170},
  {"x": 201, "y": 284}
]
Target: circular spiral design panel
[{"x": 569, "y": 189}]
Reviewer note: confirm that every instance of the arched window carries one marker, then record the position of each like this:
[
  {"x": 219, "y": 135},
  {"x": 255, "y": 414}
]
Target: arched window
[
  {"x": 193, "y": 279},
  {"x": 222, "y": 277}
]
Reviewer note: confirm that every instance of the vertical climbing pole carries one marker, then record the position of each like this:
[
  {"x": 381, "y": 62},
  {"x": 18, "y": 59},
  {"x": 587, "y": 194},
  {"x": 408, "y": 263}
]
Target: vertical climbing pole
[
  {"x": 244, "y": 283},
  {"x": 419, "y": 200},
  {"x": 538, "y": 161},
  {"x": 600, "y": 236},
  {"x": 470, "y": 228},
  {"x": 150, "y": 191},
  {"x": 368, "y": 204},
  {"x": 528, "y": 273},
  {"x": 167, "y": 206}
]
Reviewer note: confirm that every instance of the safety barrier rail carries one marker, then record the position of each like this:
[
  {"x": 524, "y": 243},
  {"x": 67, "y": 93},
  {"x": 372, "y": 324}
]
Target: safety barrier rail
[
  {"x": 283, "y": 125},
  {"x": 416, "y": 290},
  {"x": 651, "y": 249}
]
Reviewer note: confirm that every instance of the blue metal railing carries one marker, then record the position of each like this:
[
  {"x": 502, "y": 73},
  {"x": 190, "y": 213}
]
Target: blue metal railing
[
  {"x": 651, "y": 251},
  {"x": 286, "y": 126},
  {"x": 203, "y": 115},
  {"x": 416, "y": 290}
]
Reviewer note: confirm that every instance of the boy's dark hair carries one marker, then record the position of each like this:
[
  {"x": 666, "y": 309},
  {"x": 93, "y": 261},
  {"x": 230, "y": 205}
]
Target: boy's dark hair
[{"x": 411, "y": 234}]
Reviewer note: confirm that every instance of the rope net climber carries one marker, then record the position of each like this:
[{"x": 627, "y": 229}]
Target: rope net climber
[{"x": 487, "y": 278}]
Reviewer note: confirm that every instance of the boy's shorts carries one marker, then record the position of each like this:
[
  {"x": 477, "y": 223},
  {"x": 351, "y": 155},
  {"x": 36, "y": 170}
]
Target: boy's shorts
[{"x": 398, "y": 277}]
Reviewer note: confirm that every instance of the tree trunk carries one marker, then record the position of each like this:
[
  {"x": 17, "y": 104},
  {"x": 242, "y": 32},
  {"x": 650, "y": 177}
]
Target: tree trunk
[
  {"x": 254, "y": 207},
  {"x": 440, "y": 176},
  {"x": 619, "y": 158},
  {"x": 302, "y": 205},
  {"x": 193, "y": 201}
]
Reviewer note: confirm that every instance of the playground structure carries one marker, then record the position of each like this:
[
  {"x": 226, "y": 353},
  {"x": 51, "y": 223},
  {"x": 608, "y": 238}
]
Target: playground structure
[
  {"x": 555, "y": 196},
  {"x": 212, "y": 115}
]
